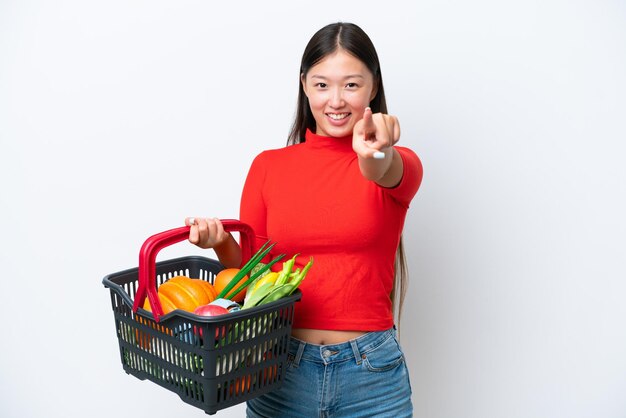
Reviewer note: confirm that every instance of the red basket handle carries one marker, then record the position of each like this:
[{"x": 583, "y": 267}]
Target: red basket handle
[{"x": 154, "y": 244}]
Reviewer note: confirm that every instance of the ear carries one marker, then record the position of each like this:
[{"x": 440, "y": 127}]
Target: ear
[{"x": 374, "y": 90}]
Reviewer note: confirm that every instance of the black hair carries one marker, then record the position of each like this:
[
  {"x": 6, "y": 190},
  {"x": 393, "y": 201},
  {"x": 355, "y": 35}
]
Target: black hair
[
  {"x": 352, "y": 39},
  {"x": 355, "y": 41}
]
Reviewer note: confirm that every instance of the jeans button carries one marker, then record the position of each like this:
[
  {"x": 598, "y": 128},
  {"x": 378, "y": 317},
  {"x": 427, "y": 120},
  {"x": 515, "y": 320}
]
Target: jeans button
[{"x": 326, "y": 353}]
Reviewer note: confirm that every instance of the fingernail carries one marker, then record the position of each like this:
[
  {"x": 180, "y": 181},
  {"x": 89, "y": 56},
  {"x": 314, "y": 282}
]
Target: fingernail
[
  {"x": 192, "y": 221},
  {"x": 379, "y": 155}
]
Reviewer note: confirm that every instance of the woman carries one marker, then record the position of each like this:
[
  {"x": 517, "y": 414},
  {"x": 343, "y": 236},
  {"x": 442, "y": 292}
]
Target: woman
[{"x": 339, "y": 193}]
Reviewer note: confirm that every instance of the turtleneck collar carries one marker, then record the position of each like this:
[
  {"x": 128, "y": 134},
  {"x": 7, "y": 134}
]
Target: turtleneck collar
[{"x": 328, "y": 142}]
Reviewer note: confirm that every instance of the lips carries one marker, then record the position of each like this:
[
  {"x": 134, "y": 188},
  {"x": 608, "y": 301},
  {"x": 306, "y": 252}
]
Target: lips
[
  {"x": 338, "y": 119},
  {"x": 338, "y": 116},
  {"x": 336, "y": 124}
]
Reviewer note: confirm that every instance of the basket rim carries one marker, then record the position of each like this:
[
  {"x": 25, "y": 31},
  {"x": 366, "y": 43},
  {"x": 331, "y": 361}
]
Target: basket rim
[{"x": 108, "y": 283}]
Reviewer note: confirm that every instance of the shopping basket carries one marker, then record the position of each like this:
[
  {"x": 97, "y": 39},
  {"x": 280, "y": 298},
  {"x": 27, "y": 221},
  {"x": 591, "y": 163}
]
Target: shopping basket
[{"x": 210, "y": 362}]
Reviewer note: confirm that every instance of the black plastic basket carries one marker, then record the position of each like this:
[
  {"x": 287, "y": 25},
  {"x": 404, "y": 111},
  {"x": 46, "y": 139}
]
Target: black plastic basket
[{"x": 210, "y": 362}]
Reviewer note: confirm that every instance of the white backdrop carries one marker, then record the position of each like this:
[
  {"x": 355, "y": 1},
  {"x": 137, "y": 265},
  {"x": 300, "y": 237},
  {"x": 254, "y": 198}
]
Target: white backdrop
[{"x": 120, "y": 118}]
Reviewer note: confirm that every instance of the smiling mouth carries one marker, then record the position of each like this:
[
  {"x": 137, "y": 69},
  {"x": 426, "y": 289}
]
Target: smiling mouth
[{"x": 338, "y": 116}]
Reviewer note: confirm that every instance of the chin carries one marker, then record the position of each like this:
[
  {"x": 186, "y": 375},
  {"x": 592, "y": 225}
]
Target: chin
[{"x": 337, "y": 132}]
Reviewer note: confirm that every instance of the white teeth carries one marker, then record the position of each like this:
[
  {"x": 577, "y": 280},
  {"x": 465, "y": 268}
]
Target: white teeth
[{"x": 338, "y": 116}]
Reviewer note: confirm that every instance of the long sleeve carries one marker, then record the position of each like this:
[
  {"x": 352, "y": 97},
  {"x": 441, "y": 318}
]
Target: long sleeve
[{"x": 253, "y": 209}]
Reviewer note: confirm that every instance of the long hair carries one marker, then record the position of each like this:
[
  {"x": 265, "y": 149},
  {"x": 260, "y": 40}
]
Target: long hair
[
  {"x": 355, "y": 41},
  {"x": 324, "y": 42}
]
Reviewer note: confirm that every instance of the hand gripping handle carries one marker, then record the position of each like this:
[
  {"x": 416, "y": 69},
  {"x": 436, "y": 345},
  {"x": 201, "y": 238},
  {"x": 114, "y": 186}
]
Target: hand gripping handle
[{"x": 154, "y": 244}]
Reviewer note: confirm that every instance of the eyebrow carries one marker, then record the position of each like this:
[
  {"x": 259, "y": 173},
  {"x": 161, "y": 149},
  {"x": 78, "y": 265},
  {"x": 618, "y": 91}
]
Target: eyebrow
[{"x": 345, "y": 78}]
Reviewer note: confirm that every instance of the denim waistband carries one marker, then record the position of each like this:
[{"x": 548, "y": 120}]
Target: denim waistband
[{"x": 352, "y": 349}]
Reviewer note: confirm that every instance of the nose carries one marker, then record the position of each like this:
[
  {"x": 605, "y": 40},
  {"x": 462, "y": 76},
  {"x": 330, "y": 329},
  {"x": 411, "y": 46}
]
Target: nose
[{"x": 336, "y": 99}]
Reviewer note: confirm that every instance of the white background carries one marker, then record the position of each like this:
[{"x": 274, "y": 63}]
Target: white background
[{"x": 120, "y": 118}]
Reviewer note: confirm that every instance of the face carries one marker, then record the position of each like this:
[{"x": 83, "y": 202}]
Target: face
[{"x": 339, "y": 88}]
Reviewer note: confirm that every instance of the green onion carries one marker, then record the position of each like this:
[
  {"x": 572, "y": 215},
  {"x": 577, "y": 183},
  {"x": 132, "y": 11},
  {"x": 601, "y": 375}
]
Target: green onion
[
  {"x": 254, "y": 276},
  {"x": 258, "y": 256}
]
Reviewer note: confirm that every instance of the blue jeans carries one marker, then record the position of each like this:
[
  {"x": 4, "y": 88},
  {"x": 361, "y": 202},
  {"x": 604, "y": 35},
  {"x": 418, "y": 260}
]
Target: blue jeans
[{"x": 364, "y": 377}]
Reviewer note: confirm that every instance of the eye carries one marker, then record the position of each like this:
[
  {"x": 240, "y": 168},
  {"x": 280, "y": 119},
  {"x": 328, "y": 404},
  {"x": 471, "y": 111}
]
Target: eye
[
  {"x": 352, "y": 85},
  {"x": 321, "y": 85}
]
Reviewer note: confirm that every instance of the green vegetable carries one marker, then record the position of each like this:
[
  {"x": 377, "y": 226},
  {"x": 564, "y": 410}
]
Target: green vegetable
[
  {"x": 258, "y": 295},
  {"x": 286, "y": 283},
  {"x": 279, "y": 292},
  {"x": 258, "y": 256},
  {"x": 258, "y": 267},
  {"x": 284, "y": 274},
  {"x": 254, "y": 277},
  {"x": 300, "y": 275}
]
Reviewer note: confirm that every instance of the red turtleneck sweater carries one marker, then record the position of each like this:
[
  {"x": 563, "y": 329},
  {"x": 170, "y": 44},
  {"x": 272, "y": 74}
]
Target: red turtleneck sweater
[{"x": 311, "y": 199}]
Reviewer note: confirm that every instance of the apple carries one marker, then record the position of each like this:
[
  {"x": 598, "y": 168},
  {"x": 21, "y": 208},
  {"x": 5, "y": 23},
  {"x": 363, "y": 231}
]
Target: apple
[{"x": 210, "y": 310}]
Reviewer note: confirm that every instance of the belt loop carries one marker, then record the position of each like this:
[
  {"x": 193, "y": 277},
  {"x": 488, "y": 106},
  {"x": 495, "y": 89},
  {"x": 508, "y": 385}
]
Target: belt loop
[
  {"x": 355, "y": 350},
  {"x": 296, "y": 361}
]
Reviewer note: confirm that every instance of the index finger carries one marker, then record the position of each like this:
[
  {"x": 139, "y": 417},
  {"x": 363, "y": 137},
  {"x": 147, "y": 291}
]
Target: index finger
[{"x": 368, "y": 122}]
